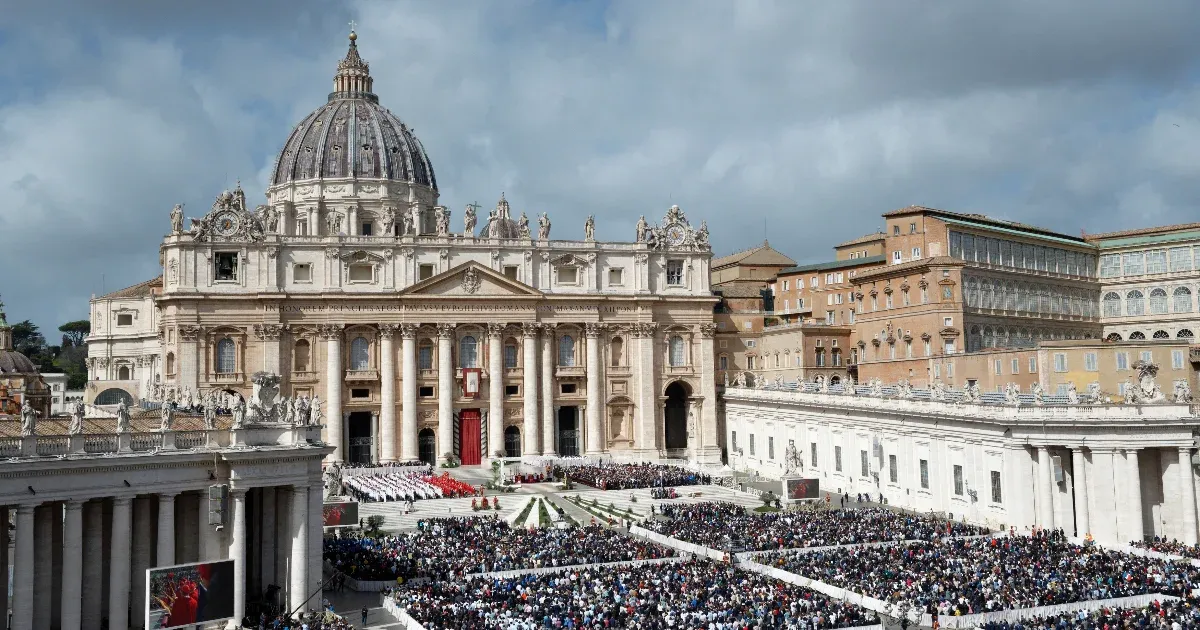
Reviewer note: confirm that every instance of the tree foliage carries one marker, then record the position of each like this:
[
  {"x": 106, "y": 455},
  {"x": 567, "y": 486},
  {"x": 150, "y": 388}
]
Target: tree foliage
[
  {"x": 71, "y": 357},
  {"x": 75, "y": 333}
]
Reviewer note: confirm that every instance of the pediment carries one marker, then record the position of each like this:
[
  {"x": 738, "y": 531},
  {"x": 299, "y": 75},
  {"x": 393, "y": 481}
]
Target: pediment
[{"x": 472, "y": 279}]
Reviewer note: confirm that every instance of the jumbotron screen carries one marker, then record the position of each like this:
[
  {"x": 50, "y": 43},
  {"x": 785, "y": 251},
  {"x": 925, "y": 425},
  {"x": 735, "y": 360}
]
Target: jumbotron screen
[
  {"x": 341, "y": 514},
  {"x": 189, "y": 594},
  {"x": 799, "y": 489}
]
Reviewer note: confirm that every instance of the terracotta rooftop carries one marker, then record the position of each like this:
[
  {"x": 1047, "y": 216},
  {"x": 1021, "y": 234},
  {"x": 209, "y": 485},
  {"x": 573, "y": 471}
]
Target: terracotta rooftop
[
  {"x": 869, "y": 238},
  {"x": 912, "y": 264},
  {"x": 1162, "y": 229},
  {"x": 142, "y": 289},
  {"x": 739, "y": 289},
  {"x": 140, "y": 421},
  {"x": 762, "y": 255},
  {"x": 980, "y": 218}
]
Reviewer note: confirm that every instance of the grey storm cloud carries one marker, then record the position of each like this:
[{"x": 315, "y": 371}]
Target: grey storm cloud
[{"x": 800, "y": 121}]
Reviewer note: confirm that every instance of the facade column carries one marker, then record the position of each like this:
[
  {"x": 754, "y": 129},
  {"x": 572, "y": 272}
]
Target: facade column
[
  {"x": 93, "y": 564},
  {"x": 1187, "y": 491},
  {"x": 387, "y": 393},
  {"x": 237, "y": 553},
  {"x": 315, "y": 532},
  {"x": 119, "y": 552},
  {"x": 495, "y": 427},
  {"x": 1079, "y": 476},
  {"x": 283, "y": 540},
  {"x": 1137, "y": 527},
  {"x": 141, "y": 558},
  {"x": 269, "y": 337},
  {"x": 266, "y": 529},
  {"x": 445, "y": 389},
  {"x": 189, "y": 357},
  {"x": 43, "y": 567},
  {"x": 72, "y": 569},
  {"x": 529, "y": 427},
  {"x": 709, "y": 449},
  {"x": 646, "y": 390},
  {"x": 165, "y": 553},
  {"x": 1103, "y": 519},
  {"x": 595, "y": 383},
  {"x": 1045, "y": 488},
  {"x": 408, "y": 409},
  {"x": 298, "y": 586},
  {"x": 549, "y": 436},
  {"x": 333, "y": 387},
  {"x": 23, "y": 573},
  {"x": 4, "y": 560}
]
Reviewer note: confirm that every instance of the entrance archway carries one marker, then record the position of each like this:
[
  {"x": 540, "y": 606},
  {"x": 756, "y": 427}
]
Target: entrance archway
[
  {"x": 359, "y": 438},
  {"x": 568, "y": 431},
  {"x": 113, "y": 396},
  {"x": 427, "y": 447},
  {"x": 512, "y": 442},
  {"x": 675, "y": 415}
]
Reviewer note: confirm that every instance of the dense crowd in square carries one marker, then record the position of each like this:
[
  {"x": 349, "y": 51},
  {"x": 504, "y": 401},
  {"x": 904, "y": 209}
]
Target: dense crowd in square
[
  {"x": 1171, "y": 547},
  {"x": 675, "y": 595},
  {"x": 608, "y": 476},
  {"x": 1167, "y": 615},
  {"x": 976, "y": 575},
  {"x": 405, "y": 485},
  {"x": 720, "y": 525},
  {"x": 447, "y": 547}
]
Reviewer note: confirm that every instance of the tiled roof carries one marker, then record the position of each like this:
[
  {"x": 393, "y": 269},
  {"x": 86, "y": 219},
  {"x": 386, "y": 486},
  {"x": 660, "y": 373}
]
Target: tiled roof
[
  {"x": 902, "y": 267},
  {"x": 140, "y": 421},
  {"x": 739, "y": 289},
  {"x": 761, "y": 255},
  {"x": 869, "y": 238},
  {"x": 835, "y": 264},
  {"x": 1162, "y": 229},
  {"x": 142, "y": 289},
  {"x": 981, "y": 219}
]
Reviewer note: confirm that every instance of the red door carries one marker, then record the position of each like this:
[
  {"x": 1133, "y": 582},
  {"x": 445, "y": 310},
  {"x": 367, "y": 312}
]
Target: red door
[{"x": 469, "y": 433}]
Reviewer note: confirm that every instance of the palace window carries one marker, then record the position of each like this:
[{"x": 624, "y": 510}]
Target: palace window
[
  {"x": 1181, "y": 259},
  {"x": 360, "y": 355},
  {"x": 226, "y": 266},
  {"x": 425, "y": 355},
  {"x": 510, "y": 354},
  {"x": 1090, "y": 363},
  {"x": 1181, "y": 300},
  {"x": 1111, "y": 304},
  {"x": 468, "y": 355},
  {"x": 226, "y": 356},
  {"x": 676, "y": 351},
  {"x": 1135, "y": 303},
  {"x": 675, "y": 273},
  {"x": 1158, "y": 301},
  {"x": 566, "y": 351},
  {"x": 1133, "y": 264}
]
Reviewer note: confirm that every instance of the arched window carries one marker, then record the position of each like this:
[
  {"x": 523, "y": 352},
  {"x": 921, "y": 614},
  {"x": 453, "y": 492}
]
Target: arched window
[
  {"x": 1184, "y": 334},
  {"x": 1135, "y": 303},
  {"x": 677, "y": 355},
  {"x": 1137, "y": 335},
  {"x": 1112, "y": 304},
  {"x": 1010, "y": 297},
  {"x": 510, "y": 353},
  {"x": 973, "y": 293},
  {"x": 989, "y": 338},
  {"x": 1158, "y": 301},
  {"x": 113, "y": 397},
  {"x": 566, "y": 351},
  {"x": 1113, "y": 337},
  {"x": 616, "y": 351},
  {"x": 123, "y": 373},
  {"x": 170, "y": 364},
  {"x": 512, "y": 442},
  {"x": 425, "y": 355},
  {"x": 360, "y": 355},
  {"x": 1181, "y": 300},
  {"x": 468, "y": 352},
  {"x": 974, "y": 340},
  {"x": 226, "y": 356},
  {"x": 302, "y": 356},
  {"x": 1161, "y": 334}
]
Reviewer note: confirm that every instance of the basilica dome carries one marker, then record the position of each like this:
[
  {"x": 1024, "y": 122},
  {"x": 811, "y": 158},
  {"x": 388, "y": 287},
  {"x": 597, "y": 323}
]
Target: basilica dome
[{"x": 352, "y": 135}]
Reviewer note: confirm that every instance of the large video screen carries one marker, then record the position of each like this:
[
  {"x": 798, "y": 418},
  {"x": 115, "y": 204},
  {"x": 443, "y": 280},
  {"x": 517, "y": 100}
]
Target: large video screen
[
  {"x": 344, "y": 514},
  {"x": 799, "y": 489},
  {"x": 188, "y": 594}
]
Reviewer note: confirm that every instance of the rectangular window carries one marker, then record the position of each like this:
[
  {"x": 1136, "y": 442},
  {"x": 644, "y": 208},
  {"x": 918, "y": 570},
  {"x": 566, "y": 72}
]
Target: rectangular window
[
  {"x": 361, "y": 273},
  {"x": 837, "y": 459},
  {"x": 865, "y": 464},
  {"x": 366, "y": 228},
  {"x": 924, "y": 473},
  {"x": 785, "y": 284},
  {"x": 896, "y": 230},
  {"x": 302, "y": 228},
  {"x": 751, "y": 443},
  {"x": 1122, "y": 361},
  {"x": 512, "y": 390},
  {"x": 896, "y": 256},
  {"x": 360, "y": 392},
  {"x": 302, "y": 272},
  {"x": 812, "y": 452},
  {"x": 1060, "y": 362},
  {"x": 1015, "y": 367},
  {"x": 425, "y": 391},
  {"x": 1156, "y": 261},
  {"x": 1181, "y": 259},
  {"x": 616, "y": 277},
  {"x": 424, "y": 272},
  {"x": 510, "y": 356},
  {"x": 812, "y": 282},
  {"x": 124, "y": 319},
  {"x": 893, "y": 475},
  {"x": 950, "y": 370},
  {"x": 568, "y": 275},
  {"x": 1110, "y": 266},
  {"x": 510, "y": 271},
  {"x": 998, "y": 368},
  {"x": 912, "y": 228},
  {"x": 1133, "y": 263},
  {"x": 569, "y": 388},
  {"x": 1177, "y": 359},
  {"x": 770, "y": 447},
  {"x": 425, "y": 358},
  {"x": 928, "y": 348},
  {"x": 916, "y": 253},
  {"x": 1147, "y": 356},
  {"x": 226, "y": 266},
  {"x": 675, "y": 273},
  {"x": 733, "y": 439},
  {"x": 1033, "y": 365},
  {"x": 947, "y": 321},
  {"x": 888, "y": 300},
  {"x": 937, "y": 370},
  {"x": 1090, "y": 363},
  {"x": 996, "y": 495},
  {"x": 723, "y": 363},
  {"x": 958, "y": 480},
  {"x": 949, "y": 349}
]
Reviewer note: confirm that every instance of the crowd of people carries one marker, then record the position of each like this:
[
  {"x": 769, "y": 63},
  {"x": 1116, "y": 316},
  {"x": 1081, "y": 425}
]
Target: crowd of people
[
  {"x": 1173, "y": 547},
  {"x": 448, "y": 547},
  {"x": 977, "y": 575},
  {"x": 691, "y": 594},
  {"x": 1170, "y": 614},
  {"x": 405, "y": 485},
  {"x": 725, "y": 525},
  {"x": 608, "y": 476}
]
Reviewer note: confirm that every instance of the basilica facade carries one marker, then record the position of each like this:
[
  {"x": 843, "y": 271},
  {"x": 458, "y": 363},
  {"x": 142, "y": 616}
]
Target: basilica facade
[{"x": 421, "y": 341}]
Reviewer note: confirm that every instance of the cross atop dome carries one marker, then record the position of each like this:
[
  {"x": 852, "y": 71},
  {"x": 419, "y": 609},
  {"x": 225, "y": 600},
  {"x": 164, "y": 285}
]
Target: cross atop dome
[{"x": 353, "y": 78}]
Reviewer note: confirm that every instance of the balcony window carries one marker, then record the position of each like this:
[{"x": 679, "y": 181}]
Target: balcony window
[
  {"x": 510, "y": 355},
  {"x": 674, "y": 273},
  {"x": 424, "y": 272},
  {"x": 226, "y": 356},
  {"x": 124, "y": 319},
  {"x": 566, "y": 351},
  {"x": 425, "y": 356},
  {"x": 226, "y": 266},
  {"x": 468, "y": 352},
  {"x": 676, "y": 351},
  {"x": 568, "y": 275},
  {"x": 302, "y": 352},
  {"x": 360, "y": 356},
  {"x": 302, "y": 273}
]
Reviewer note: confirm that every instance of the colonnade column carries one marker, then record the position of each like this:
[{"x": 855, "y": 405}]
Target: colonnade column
[
  {"x": 595, "y": 436},
  {"x": 408, "y": 408},
  {"x": 1103, "y": 520},
  {"x": 495, "y": 427},
  {"x": 313, "y": 551},
  {"x": 298, "y": 587},
  {"x": 530, "y": 423},
  {"x": 93, "y": 564},
  {"x": 387, "y": 393},
  {"x": 4, "y": 559},
  {"x": 72, "y": 567},
  {"x": 165, "y": 553},
  {"x": 1137, "y": 528},
  {"x": 118, "y": 573},
  {"x": 283, "y": 540},
  {"x": 1078, "y": 474},
  {"x": 141, "y": 558},
  {"x": 1045, "y": 488},
  {"x": 237, "y": 553},
  {"x": 43, "y": 565},
  {"x": 22, "y": 586},
  {"x": 1187, "y": 499},
  {"x": 333, "y": 387},
  {"x": 266, "y": 529},
  {"x": 646, "y": 389},
  {"x": 445, "y": 389},
  {"x": 548, "y": 434}
]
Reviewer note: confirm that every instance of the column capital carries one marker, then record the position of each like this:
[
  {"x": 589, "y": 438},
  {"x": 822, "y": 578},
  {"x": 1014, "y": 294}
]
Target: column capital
[
  {"x": 408, "y": 331},
  {"x": 593, "y": 330},
  {"x": 446, "y": 330},
  {"x": 643, "y": 329},
  {"x": 530, "y": 329},
  {"x": 75, "y": 504},
  {"x": 126, "y": 499},
  {"x": 496, "y": 329},
  {"x": 387, "y": 330},
  {"x": 1185, "y": 449},
  {"x": 235, "y": 491},
  {"x": 268, "y": 332},
  {"x": 708, "y": 329},
  {"x": 167, "y": 495},
  {"x": 331, "y": 332}
]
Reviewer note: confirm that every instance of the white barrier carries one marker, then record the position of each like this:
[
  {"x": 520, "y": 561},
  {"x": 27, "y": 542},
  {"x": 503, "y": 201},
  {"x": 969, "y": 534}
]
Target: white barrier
[
  {"x": 1017, "y": 614},
  {"x": 569, "y": 567},
  {"x": 675, "y": 543},
  {"x": 406, "y": 622},
  {"x": 1138, "y": 551}
]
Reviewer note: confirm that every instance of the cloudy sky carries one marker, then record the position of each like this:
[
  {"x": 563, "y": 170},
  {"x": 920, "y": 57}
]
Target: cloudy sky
[{"x": 801, "y": 120}]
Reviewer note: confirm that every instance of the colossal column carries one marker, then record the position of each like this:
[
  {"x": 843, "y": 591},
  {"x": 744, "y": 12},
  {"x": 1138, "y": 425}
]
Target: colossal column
[
  {"x": 23, "y": 574},
  {"x": 189, "y": 356},
  {"x": 1187, "y": 491},
  {"x": 387, "y": 394},
  {"x": 710, "y": 450},
  {"x": 93, "y": 564},
  {"x": 269, "y": 336},
  {"x": 646, "y": 390},
  {"x": 72, "y": 568},
  {"x": 1137, "y": 528},
  {"x": 495, "y": 428},
  {"x": 1079, "y": 475},
  {"x": 298, "y": 587},
  {"x": 266, "y": 529},
  {"x": 237, "y": 552},
  {"x": 1045, "y": 488},
  {"x": 118, "y": 574},
  {"x": 548, "y": 433},
  {"x": 408, "y": 410},
  {"x": 333, "y": 386},
  {"x": 445, "y": 389},
  {"x": 141, "y": 558},
  {"x": 43, "y": 570},
  {"x": 595, "y": 383},
  {"x": 529, "y": 388}
]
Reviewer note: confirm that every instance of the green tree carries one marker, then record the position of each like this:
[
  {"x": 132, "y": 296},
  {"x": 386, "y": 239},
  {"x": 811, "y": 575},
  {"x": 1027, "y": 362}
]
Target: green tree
[
  {"x": 75, "y": 333},
  {"x": 27, "y": 339}
]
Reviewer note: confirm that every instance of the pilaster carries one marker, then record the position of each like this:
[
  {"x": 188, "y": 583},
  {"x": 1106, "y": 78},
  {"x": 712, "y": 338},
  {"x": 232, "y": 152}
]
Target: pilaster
[
  {"x": 445, "y": 391},
  {"x": 529, "y": 392},
  {"x": 332, "y": 333},
  {"x": 387, "y": 406}
]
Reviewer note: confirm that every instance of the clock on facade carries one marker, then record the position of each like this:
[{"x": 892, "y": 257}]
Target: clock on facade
[
  {"x": 676, "y": 234},
  {"x": 227, "y": 223}
]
